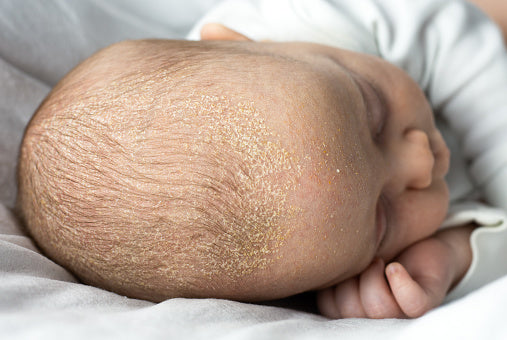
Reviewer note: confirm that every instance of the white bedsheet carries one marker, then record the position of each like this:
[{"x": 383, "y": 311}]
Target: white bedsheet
[{"x": 39, "y": 42}]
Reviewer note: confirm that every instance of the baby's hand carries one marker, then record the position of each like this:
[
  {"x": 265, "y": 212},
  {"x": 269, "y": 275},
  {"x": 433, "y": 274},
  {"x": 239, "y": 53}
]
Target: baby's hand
[{"x": 417, "y": 282}]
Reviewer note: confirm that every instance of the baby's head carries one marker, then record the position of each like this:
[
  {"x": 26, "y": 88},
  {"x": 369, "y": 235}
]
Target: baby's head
[{"x": 242, "y": 170}]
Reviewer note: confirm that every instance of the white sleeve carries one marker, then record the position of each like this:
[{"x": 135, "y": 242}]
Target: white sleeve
[
  {"x": 318, "y": 21},
  {"x": 487, "y": 242}
]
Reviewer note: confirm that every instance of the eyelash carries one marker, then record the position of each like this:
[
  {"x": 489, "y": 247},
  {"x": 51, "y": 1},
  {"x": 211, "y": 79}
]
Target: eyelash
[
  {"x": 370, "y": 93},
  {"x": 379, "y": 133},
  {"x": 383, "y": 114}
]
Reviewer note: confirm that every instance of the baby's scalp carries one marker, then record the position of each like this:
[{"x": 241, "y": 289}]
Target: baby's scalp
[{"x": 146, "y": 180}]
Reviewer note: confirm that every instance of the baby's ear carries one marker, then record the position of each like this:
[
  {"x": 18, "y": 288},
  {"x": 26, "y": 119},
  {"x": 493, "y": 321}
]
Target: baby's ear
[{"x": 215, "y": 31}]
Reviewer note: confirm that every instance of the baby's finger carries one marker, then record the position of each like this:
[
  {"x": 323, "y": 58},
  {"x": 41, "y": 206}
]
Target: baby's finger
[
  {"x": 216, "y": 31},
  {"x": 327, "y": 304},
  {"x": 376, "y": 296},
  {"x": 341, "y": 301},
  {"x": 348, "y": 300},
  {"x": 410, "y": 296}
]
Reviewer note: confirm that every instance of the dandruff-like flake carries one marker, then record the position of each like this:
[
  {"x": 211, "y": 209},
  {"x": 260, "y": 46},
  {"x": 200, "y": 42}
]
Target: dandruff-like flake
[{"x": 268, "y": 173}]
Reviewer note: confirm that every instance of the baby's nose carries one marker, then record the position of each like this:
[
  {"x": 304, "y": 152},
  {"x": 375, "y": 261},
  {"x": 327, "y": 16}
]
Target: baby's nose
[{"x": 417, "y": 160}]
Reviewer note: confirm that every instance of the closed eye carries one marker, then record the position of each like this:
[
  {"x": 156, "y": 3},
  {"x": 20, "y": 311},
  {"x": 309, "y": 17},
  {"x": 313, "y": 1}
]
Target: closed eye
[{"x": 375, "y": 107}]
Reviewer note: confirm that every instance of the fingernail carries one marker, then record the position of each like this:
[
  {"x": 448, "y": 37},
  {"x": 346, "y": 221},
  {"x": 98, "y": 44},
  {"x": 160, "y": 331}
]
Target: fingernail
[{"x": 392, "y": 268}]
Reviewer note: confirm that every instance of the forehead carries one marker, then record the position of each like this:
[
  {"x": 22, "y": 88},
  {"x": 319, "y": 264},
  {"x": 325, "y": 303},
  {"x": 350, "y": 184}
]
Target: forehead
[
  {"x": 313, "y": 109},
  {"x": 315, "y": 103},
  {"x": 301, "y": 84}
]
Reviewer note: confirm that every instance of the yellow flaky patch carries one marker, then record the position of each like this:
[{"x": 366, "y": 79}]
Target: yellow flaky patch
[{"x": 268, "y": 173}]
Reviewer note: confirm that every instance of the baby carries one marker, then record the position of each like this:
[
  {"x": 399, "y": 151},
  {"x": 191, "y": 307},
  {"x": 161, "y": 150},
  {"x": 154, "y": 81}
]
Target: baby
[{"x": 241, "y": 170}]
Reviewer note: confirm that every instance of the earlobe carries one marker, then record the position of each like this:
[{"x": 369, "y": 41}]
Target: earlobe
[{"x": 215, "y": 31}]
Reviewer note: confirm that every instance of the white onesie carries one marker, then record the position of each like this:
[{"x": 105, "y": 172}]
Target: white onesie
[{"x": 455, "y": 54}]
